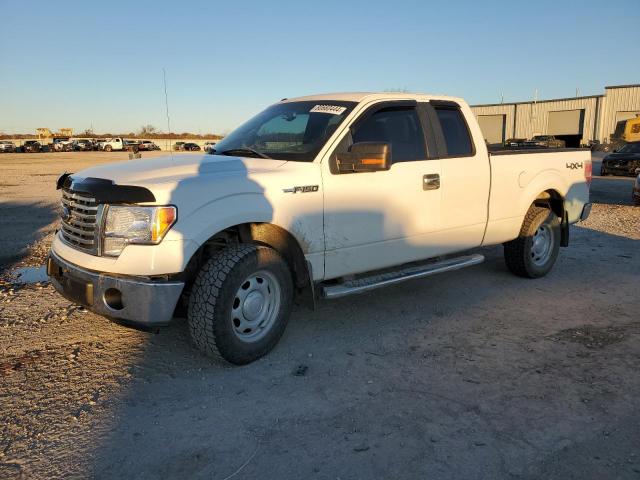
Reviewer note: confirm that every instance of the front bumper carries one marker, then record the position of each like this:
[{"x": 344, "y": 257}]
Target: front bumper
[{"x": 140, "y": 301}]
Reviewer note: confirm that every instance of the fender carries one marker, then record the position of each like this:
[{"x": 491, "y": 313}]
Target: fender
[
  {"x": 546, "y": 180},
  {"x": 249, "y": 208}
]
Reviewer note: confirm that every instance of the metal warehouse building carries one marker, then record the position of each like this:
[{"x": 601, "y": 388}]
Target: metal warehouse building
[{"x": 576, "y": 120}]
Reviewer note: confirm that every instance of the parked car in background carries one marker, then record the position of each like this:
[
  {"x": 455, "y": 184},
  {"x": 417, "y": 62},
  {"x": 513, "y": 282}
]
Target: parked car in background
[
  {"x": 624, "y": 161},
  {"x": 110, "y": 144},
  {"x": 191, "y": 147},
  {"x": 7, "y": 146},
  {"x": 82, "y": 145},
  {"x": 635, "y": 196},
  {"x": 148, "y": 145},
  {"x": 178, "y": 146},
  {"x": 62, "y": 145},
  {"x": 132, "y": 145},
  {"x": 545, "y": 141},
  {"x": 31, "y": 146},
  {"x": 514, "y": 142},
  {"x": 598, "y": 146},
  {"x": 209, "y": 145}
]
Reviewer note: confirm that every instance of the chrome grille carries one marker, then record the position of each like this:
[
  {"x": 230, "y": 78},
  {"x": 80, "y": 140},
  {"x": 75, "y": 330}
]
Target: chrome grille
[{"x": 80, "y": 221}]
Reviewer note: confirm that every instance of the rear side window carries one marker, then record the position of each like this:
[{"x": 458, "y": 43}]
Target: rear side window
[
  {"x": 398, "y": 126},
  {"x": 455, "y": 132}
]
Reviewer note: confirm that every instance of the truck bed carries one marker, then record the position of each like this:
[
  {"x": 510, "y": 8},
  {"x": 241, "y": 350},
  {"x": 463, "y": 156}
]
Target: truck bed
[{"x": 519, "y": 176}]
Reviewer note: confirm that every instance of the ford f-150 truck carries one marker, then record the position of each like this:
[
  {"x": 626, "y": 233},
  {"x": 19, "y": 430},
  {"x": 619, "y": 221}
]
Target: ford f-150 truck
[{"x": 320, "y": 197}]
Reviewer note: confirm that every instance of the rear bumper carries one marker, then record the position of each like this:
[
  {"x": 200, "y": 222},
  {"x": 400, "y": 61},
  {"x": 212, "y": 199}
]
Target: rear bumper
[{"x": 140, "y": 301}]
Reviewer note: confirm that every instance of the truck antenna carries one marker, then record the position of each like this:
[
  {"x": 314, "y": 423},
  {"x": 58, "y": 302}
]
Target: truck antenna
[{"x": 166, "y": 104}]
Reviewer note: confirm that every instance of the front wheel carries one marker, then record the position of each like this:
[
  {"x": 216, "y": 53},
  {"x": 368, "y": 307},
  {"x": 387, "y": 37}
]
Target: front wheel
[
  {"x": 240, "y": 303},
  {"x": 108, "y": 148},
  {"x": 535, "y": 251}
]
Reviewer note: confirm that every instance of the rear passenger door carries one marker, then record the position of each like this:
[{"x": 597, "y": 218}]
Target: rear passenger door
[{"x": 465, "y": 175}]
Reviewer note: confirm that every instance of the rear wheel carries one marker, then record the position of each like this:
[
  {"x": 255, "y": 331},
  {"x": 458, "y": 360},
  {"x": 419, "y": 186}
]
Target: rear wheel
[
  {"x": 535, "y": 251},
  {"x": 108, "y": 148},
  {"x": 240, "y": 303}
]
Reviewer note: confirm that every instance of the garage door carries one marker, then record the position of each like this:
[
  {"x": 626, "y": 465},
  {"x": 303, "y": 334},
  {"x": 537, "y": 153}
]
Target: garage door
[
  {"x": 566, "y": 122},
  {"x": 492, "y": 127}
]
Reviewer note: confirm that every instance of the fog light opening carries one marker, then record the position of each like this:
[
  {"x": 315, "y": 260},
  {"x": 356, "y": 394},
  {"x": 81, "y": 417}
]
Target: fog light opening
[{"x": 113, "y": 299}]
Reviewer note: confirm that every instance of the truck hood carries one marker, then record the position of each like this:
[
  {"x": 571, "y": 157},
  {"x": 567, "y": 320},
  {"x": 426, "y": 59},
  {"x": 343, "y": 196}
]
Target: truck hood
[{"x": 155, "y": 172}]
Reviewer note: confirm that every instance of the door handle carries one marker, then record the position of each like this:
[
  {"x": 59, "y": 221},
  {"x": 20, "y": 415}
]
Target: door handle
[{"x": 431, "y": 181}]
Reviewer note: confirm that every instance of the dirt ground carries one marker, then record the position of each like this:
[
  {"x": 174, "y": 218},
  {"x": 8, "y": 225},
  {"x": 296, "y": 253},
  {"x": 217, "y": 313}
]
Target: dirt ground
[{"x": 473, "y": 374}]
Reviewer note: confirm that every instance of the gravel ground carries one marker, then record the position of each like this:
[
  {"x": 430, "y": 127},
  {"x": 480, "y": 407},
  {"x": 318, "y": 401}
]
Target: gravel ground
[{"x": 471, "y": 374}]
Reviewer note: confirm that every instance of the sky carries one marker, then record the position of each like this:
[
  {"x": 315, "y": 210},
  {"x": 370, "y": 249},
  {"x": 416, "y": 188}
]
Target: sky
[{"x": 100, "y": 64}]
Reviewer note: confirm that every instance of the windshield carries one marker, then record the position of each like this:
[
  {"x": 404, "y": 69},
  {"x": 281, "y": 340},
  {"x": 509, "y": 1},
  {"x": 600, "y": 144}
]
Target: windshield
[
  {"x": 287, "y": 131},
  {"x": 630, "y": 148}
]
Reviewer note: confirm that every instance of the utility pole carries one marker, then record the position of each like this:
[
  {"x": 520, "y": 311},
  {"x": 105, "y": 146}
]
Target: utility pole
[{"x": 531, "y": 114}]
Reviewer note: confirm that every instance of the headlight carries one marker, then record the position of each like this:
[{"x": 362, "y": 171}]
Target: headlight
[{"x": 135, "y": 225}]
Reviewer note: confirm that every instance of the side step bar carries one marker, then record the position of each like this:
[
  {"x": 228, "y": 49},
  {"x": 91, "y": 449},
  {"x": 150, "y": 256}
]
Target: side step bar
[{"x": 372, "y": 282}]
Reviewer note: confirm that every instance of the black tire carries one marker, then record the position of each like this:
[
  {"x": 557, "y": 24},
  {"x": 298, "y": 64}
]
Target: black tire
[
  {"x": 603, "y": 172},
  {"x": 520, "y": 254},
  {"x": 215, "y": 294},
  {"x": 108, "y": 148}
]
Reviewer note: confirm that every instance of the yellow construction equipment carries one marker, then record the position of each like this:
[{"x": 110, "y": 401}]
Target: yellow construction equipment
[
  {"x": 627, "y": 131},
  {"x": 44, "y": 134},
  {"x": 632, "y": 130}
]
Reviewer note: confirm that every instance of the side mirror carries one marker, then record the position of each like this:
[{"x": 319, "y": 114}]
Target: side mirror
[{"x": 365, "y": 157}]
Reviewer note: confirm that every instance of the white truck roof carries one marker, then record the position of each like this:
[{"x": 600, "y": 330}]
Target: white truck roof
[{"x": 369, "y": 96}]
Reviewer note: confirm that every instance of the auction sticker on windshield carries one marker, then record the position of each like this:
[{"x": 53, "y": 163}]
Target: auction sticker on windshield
[{"x": 332, "y": 109}]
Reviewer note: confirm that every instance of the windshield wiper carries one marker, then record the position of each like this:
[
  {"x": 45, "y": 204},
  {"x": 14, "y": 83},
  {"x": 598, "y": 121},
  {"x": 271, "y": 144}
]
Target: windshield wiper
[{"x": 241, "y": 151}]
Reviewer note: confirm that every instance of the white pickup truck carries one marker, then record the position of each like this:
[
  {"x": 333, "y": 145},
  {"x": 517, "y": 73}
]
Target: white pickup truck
[
  {"x": 111, "y": 144},
  {"x": 320, "y": 196}
]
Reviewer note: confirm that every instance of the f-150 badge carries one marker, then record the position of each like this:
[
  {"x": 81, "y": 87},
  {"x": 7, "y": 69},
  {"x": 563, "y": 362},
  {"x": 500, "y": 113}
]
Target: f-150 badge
[{"x": 303, "y": 189}]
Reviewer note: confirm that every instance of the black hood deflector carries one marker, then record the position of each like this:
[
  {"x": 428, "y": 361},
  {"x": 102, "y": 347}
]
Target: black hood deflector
[{"x": 105, "y": 191}]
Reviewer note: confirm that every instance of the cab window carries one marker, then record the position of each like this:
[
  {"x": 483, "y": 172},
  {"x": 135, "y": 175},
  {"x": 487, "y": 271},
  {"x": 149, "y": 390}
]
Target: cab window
[
  {"x": 455, "y": 131},
  {"x": 398, "y": 126}
]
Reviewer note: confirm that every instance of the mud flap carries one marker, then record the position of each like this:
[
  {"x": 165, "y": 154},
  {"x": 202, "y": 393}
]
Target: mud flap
[{"x": 564, "y": 231}]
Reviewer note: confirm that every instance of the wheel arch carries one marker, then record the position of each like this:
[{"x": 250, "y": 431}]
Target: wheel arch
[
  {"x": 554, "y": 201},
  {"x": 261, "y": 233}
]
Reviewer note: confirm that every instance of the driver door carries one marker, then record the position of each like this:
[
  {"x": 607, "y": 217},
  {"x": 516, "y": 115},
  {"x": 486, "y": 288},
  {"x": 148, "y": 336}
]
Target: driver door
[{"x": 378, "y": 219}]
